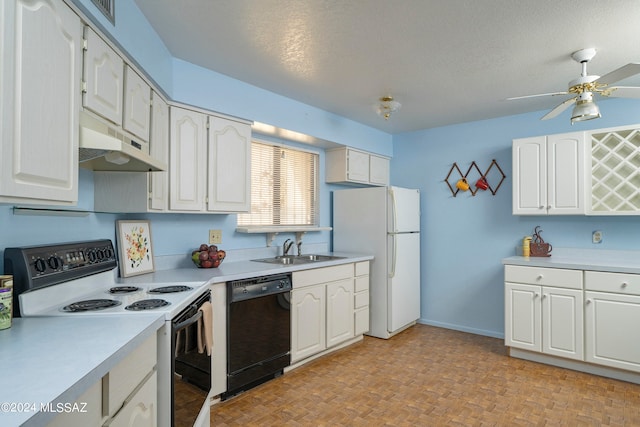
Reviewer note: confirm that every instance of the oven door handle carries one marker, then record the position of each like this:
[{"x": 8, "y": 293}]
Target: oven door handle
[{"x": 190, "y": 321}]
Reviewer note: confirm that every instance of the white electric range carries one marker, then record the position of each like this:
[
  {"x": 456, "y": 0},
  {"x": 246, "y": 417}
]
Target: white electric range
[{"x": 80, "y": 279}]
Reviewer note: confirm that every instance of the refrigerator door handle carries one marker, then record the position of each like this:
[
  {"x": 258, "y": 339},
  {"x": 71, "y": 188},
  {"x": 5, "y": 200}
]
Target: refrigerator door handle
[
  {"x": 394, "y": 250},
  {"x": 394, "y": 214}
]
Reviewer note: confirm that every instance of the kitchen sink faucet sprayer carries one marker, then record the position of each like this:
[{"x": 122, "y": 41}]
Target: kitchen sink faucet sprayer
[{"x": 286, "y": 246}]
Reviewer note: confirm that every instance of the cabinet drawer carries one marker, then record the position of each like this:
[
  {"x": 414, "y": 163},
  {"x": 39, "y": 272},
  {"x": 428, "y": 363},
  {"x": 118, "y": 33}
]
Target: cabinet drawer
[
  {"x": 125, "y": 377},
  {"x": 362, "y": 268},
  {"x": 361, "y": 321},
  {"x": 321, "y": 275},
  {"x": 361, "y": 299},
  {"x": 612, "y": 282},
  {"x": 361, "y": 284},
  {"x": 544, "y": 276}
]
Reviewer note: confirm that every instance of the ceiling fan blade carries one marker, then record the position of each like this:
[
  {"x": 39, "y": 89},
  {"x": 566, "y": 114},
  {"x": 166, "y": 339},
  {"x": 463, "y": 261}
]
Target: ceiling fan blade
[
  {"x": 623, "y": 92},
  {"x": 537, "y": 95},
  {"x": 559, "y": 109},
  {"x": 620, "y": 74}
]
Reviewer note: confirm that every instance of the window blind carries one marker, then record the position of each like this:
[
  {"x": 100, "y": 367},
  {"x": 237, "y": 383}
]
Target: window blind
[{"x": 283, "y": 186}]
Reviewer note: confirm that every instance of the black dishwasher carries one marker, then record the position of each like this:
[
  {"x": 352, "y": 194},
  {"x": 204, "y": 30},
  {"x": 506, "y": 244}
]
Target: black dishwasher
[{"x": 258, "y": 331}]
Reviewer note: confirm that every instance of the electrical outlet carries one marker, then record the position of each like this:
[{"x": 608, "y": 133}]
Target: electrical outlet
[
  {"x": 215, "y": 237},
  {"x": 596, "y": 237}
]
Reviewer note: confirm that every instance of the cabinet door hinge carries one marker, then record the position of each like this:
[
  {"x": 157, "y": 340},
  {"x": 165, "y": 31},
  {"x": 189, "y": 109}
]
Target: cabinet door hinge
[
  {"x": 85, "y": 44},
  {"x": 83, "y": 86}
]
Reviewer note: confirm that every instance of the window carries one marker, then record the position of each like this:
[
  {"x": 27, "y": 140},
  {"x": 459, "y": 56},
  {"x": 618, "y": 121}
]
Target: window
[{"x": 284, "y": 187}]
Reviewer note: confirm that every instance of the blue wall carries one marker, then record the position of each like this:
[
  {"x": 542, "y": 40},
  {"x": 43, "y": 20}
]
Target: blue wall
[{"x": 465, "y": 237}]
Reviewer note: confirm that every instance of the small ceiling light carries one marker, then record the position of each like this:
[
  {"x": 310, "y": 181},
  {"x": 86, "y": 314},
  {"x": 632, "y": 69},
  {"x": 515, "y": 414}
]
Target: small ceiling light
[
  {"x": 386, "y": 106},
  {"x": 585, "y": 108}
]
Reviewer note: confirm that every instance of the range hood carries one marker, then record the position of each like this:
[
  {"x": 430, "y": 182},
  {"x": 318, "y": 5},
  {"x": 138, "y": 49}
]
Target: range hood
[{"x": 107, "y": 148}]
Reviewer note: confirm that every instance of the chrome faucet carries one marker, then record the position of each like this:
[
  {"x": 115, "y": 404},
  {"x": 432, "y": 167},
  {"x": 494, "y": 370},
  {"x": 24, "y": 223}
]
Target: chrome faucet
[
  {"x": 286, "y": 246},
  {"x": 299, "y": 244}
]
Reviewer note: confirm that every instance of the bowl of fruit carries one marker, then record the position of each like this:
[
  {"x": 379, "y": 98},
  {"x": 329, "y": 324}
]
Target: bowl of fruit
[{"x": 207, "y": 256}]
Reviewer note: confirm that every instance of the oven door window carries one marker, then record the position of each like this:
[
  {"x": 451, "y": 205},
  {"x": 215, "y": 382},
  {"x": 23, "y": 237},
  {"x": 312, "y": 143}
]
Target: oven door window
[{"x": 191, "y": 366}]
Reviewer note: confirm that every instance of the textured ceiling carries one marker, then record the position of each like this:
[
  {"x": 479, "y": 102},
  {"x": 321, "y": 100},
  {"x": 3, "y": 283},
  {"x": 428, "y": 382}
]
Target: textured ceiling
[{"x": 446, "y": 61}]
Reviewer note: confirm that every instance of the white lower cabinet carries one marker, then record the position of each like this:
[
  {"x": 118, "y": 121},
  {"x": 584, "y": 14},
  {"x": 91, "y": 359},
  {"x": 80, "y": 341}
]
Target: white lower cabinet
[
  {"x": 326, "y": 309},
  {"x": 308, "y": 321},
  {"x": 339, "y": 311},
  {"x": 126, "y": 396},
  {"x": 612, "y": 313},
  {"x": 549, "y": 312},
  {"x": 546, "y": 319},
  {"x": 361, "y": 298},
  {"x": 85, "y": 411},
  {"x": 141, "y": 410}
]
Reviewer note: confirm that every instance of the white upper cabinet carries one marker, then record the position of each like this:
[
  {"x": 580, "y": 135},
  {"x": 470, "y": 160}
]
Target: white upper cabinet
[
  {"x": 378, "y": 170},
  {"x": 549, "y": 175},
  {"x": 159, "y": 181},
  {"x": 188, "y": 160},
  {"x": 104, "y": 78},
  {"x": 209, "y": 172},
  {"x": 40, "y": 76},
  {"x": 229, "y": 187},
  {"x": 346, "y": 165},
  {"x": 137, "y": 105}
]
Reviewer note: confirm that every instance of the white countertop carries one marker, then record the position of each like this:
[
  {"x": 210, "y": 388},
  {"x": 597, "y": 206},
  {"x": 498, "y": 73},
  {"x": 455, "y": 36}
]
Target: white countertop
[
  {"x": 583, "y": 259},
  {"x": 235, "y": 270},
  {"x": 55, "y": 360}
]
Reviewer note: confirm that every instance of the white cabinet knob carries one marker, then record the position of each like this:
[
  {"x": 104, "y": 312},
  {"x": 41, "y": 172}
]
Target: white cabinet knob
[
  {"x": 588, "y": 301},
  {"x": 536, "y": 295},
  {"x": 624, "y": 284},
  {"x": 540, "y": 277}
]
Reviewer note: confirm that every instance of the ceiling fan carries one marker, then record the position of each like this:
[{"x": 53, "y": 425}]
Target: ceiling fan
[{"x": 585, "y": 86}]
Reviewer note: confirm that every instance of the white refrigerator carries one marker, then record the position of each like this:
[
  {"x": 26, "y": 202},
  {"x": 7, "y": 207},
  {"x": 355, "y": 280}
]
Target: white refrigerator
[{"x": 384, "y": 221}]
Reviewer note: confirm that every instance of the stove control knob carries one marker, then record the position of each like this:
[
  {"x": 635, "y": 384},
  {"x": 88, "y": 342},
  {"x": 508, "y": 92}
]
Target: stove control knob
[
  {"x": 281, "y": 284},
  {"x": 40, "y": 265},
  {"x": 108, "y": 253},
  {"x": 100, "y": 254},
  {"x": 54, "y": 262},
  {"x": 91, "y": 256}
]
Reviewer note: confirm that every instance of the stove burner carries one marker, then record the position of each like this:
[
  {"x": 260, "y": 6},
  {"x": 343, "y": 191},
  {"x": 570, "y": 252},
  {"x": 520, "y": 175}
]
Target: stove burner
[
  {"x": 170, "y": 289},
  {"x": 147, "y": 304},
  {"x": 91, "y": 305},
  {"x": 117, "y": 290}
]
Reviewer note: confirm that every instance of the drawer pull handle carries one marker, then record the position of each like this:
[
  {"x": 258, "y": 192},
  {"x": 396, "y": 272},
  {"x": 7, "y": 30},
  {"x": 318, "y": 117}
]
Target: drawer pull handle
[{"x": 625, "y": 284}]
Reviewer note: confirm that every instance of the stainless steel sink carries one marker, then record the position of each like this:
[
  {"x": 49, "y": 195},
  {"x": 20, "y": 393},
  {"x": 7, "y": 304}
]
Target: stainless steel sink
[
  {"x": 284, "y": 260},
  {"x": 318, "y": 258},
  {"x": 297, "y": 259}
]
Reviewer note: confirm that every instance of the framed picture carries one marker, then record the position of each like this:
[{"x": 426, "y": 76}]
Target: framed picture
[{"x": 134, "y": 247}]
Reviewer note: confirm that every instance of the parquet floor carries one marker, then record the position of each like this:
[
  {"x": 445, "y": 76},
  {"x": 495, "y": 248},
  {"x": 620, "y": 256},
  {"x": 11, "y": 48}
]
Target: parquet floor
[{"x": 429, "y": 376}]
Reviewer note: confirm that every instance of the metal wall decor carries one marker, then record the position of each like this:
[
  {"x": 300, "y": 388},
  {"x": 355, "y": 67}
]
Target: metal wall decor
[{"x": 473, "y": 180}]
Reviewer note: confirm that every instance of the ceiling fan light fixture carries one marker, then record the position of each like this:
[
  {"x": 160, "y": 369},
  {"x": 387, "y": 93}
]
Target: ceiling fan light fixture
[
  {"x": 585, "y": 108},
  {"x": 386, "y": 107}
]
